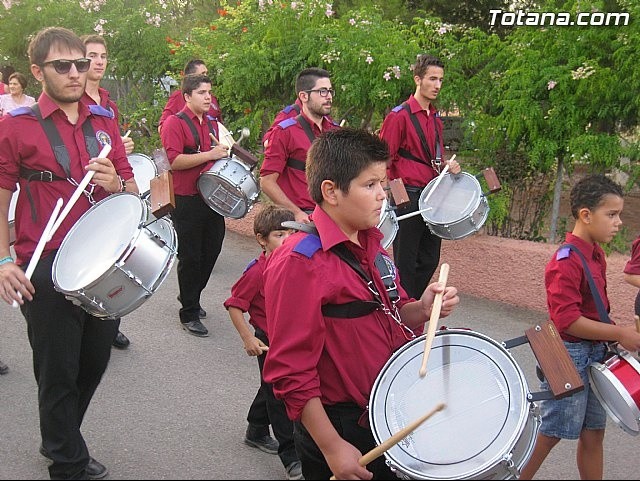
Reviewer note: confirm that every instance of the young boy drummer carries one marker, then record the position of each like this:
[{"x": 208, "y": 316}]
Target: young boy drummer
[{"x": 330, "y": 330}]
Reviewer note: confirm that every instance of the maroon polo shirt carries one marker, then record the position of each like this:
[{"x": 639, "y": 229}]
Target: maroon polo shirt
[
  {"x": 289, "y": 140},
  {"x": 568, "y": 293},
  {"x": 105, "y": 101},
  {"x": 311, "y": 355},
  {"x": 175, "y": 136},
  {"x": 288, "y": 112},
  {"x": 23, "y": 143},
  {"x": 399, "y": 133},
  {"x": 633, "y": 265},
  {"x": 247, "y": 294},
  {"x": 176, "y": 103}
]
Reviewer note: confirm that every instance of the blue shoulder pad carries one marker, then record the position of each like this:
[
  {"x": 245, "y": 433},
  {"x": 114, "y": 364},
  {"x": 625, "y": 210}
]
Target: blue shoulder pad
[
  {"x": 287, "y": 110},
  {"x": 101, "y": 111},
  {"x": 563, "y": 253},
  {"x": 288, "y": 123},
  {"x": 250, "y": 265},
  {"x": 22, "y": 111},
  {"x": 308, "y": 245},
  {"x": 211, "y": 117},
  {"x": 397, "y": 109}
]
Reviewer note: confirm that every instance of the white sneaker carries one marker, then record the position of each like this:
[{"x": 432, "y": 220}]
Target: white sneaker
[{"x": 294, "y": 470}]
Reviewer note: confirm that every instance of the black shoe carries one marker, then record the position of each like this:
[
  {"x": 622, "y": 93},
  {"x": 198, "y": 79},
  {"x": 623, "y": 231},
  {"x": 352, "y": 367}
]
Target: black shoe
[
  {"x": 3, "y": 368},
  {"x": 196, "y": 328},
  {"x": 94, "y": 470},
  {"x": 44, "y": 452},
  {"x": 121, "y": 341},
  {"x": 264, "y": 443},
  {"x": 201, "y": 314}
]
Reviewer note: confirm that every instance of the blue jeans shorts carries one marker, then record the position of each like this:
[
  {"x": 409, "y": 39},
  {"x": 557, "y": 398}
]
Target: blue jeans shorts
[{"x": 565, "y": 418}]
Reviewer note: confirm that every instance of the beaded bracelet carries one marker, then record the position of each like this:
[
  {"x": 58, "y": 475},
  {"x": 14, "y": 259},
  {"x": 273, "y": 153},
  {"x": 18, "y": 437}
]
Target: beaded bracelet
[{"x": 6, "y": 260}]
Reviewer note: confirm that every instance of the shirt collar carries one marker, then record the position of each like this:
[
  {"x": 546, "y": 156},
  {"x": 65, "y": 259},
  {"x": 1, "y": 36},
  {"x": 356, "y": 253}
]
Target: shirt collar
[
  {"x": 585, "y": 247},
  {"x": 48, "y": 107},
  {"x": 331, "y": 235},
  {"x": 416, "y": 107}
]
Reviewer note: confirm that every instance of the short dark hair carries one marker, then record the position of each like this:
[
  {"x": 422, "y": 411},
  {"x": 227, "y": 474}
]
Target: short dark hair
[
  {"x": 46, "y": 38},
  {"x": 308, "y": 77},
  {"x": 22, "y": 80},
  {"x": 423, "y": 62},
  {"x": 99, "y": 39},
  {"x": 589, "y": 192},
  {"x": 270, "y": 219},
  {"x": 340, "y": 156},
  {"x": 193, "y": 81},
  {"x": 191, "y": 65}
]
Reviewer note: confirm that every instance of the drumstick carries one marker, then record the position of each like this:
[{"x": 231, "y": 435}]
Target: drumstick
[
  {"x": 40, "y": 246},
  {"x": 412, "y": 214},
  {"x": 433, "y": 321},
  {"x": 127, "y": 134},
  {"x": 438, "y": 180},
  {"x": 637, "y": 318},
  {"x": 396, "y": 438},
  {"x": 76, "y": 194}
]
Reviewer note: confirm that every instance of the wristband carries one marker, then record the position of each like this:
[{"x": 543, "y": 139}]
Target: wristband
[
  {"x": 6, "y": 260},
  {"x": 123, "y": 184}
]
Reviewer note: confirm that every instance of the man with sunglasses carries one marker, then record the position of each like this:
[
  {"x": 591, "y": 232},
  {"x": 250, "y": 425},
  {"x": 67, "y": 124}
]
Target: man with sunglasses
[
  {"x": 71, "y": 348},
  {"x": 282, "y": 175},
  {"x": 96, "y": 95}
]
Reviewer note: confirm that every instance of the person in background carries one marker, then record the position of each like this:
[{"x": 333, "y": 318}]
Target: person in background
[
  {"x": 247, "y": 295},
  {"x": 413, "y": 131},
  {"x": 16, "y": 96},
  {"x": 71, "y": 348},
  {"x": 632, "y": 272},
  {"x": 596, "y": 204},
  {"x": 335, "y": 311}
]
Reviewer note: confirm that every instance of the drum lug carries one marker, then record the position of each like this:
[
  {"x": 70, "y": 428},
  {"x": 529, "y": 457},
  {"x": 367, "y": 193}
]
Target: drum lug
[{"x": 510, "y": 466}]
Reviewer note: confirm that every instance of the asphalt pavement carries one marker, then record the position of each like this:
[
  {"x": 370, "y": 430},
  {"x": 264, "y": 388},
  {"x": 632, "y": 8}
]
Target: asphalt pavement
[{"x": 173, "y": 406}]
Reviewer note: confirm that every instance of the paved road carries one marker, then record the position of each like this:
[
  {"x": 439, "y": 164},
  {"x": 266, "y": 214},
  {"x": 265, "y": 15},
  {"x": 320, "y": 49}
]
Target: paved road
[{"x": 174, "y": 406}]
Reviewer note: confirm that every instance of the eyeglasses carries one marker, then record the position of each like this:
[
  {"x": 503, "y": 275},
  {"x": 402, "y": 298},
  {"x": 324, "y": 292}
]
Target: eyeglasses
[
  {"x": 323, "y": 92},
  {"x": 63, "y": 66}
]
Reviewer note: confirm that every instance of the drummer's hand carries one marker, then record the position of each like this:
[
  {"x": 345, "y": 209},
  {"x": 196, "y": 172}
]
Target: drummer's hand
[
  {"x": 105, "y": 174},
  {"x": 302, "y": 216},
  {"x": 255, "y": 347},
  {"x": 629, "y": 338},
  {"x": 343, "y": 462},
  {"x": 12, "y": 280},
  {"x": 454, "y": 166},
  {"x": 128, "y": 144},
  {"x": 450, "y": 299},
  {"x": 220, "y": 151}
]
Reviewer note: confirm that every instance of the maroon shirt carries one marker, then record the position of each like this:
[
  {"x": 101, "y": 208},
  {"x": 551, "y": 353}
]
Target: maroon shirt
[
  {"x": 289, "y": 140},
  {"x": 399, "y": 133},
  {"x": 105, "y": 101},
  {"x": 23, "y": 143},
  {"x": 311, "y": 355},
  {"x": 247, "y": 294},
  {"x": 176, "y": 103},
  {"x": 286, "y": 113},
  {"x": 633, "y": 265},
  {"x": 175, "y": 136},
  {"x": 568, "y": 293}
]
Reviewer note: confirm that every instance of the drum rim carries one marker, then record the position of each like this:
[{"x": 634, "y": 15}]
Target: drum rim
[
  {"x": 523, "y": 420},
  {"x": 424, "y": 192},
  {"x": 247, "y": 200}
]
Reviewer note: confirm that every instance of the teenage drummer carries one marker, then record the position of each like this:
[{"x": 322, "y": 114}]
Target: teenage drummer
[
  {"x": 332, "y": 320},
  {"x": 581, "y": 317},
  {"x": 413, "y": 131},
  {"x": 189, "y": 138},
  {"x": 282, "y": 176},
  {"x": 71, "y": 348}
]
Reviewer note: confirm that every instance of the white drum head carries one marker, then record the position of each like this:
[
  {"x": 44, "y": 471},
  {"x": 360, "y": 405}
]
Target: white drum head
[
  {"x": 454, "y": 198},
  {"x": 486, "y": 410},
  {"x": 97, "y": 240},
  {"x": 144, "y": 170}
]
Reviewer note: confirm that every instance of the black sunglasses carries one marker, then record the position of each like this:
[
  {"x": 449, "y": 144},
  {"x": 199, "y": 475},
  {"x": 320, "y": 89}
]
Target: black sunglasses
[{"x": 63, "y": 66}]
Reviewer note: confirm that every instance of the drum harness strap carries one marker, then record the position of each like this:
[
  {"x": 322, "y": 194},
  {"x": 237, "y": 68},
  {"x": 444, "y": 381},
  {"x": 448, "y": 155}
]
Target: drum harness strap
[
  {"x": 62, "y": 157},
  {"x": 194, "y": 132},
  {"x": 296, "y": 163},
  {"x": 436, "y": 162},
  {"x": 354, "y": 309}
]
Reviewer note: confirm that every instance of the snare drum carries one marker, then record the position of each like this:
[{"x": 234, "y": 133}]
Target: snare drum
[
  {"x": 616, "y": 383},
  {"x": 229, "y": 187},
  {"x": 388, "y": 224},
  {"x": 457, "y": 207},
  {"x": 144, "y": 170},
  {"x": 115, "y": 256},
  {"x": 488, "y": 427}
]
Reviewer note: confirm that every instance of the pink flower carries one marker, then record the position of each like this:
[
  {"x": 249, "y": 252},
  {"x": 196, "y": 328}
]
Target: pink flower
[{"x": 551, "y": 84}]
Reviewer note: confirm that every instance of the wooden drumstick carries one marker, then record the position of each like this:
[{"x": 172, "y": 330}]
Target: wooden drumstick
[
  {"x": 433, "y": 321},
  {"x": 637, "y": 319},
  {"x": 439, "y": 179},
  {"x": 396, "y": 438}
]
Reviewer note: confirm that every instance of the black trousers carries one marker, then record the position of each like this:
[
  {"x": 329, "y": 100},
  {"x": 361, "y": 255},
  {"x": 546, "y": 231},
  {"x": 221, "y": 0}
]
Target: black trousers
[
  {"x": 200, "y": 232},
  {"x": 71, "y": 351},
  {"x": 346, "y": 419},
  {"x": 266, "y": 409},
  {"x": 416, "y": 251}
]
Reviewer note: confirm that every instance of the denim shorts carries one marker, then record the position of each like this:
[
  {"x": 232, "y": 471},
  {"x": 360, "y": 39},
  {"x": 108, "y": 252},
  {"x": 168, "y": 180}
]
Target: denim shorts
[{"x": 565, "y": 418}]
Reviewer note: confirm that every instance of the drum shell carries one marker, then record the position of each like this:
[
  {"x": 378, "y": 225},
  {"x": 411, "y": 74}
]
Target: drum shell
[
  {"x": 459, "y": 208},
  {"x": 388, "y": 225},
  {"x": 144, "y": 260},
  {"x": 457, "y": 443},
  {"x": 229, "y": 188}
]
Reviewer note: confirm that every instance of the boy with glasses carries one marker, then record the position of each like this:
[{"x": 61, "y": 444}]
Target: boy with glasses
[
  {"x": 71, "y": 348},
  {"x": 282, "y": 175}
]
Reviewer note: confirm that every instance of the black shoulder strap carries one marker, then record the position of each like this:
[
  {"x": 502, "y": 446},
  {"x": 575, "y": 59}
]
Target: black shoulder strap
[
  {"x": 423, "y": 140},
  {"x": 193, "y": 130},
  {"x": 59, "y": 149},
  {"x": 306, "y": 127},
  {"x": 602, "y": 311}
]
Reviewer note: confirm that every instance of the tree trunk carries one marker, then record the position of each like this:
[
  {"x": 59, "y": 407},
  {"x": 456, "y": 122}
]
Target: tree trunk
[{"x": 555, "y": 208}]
